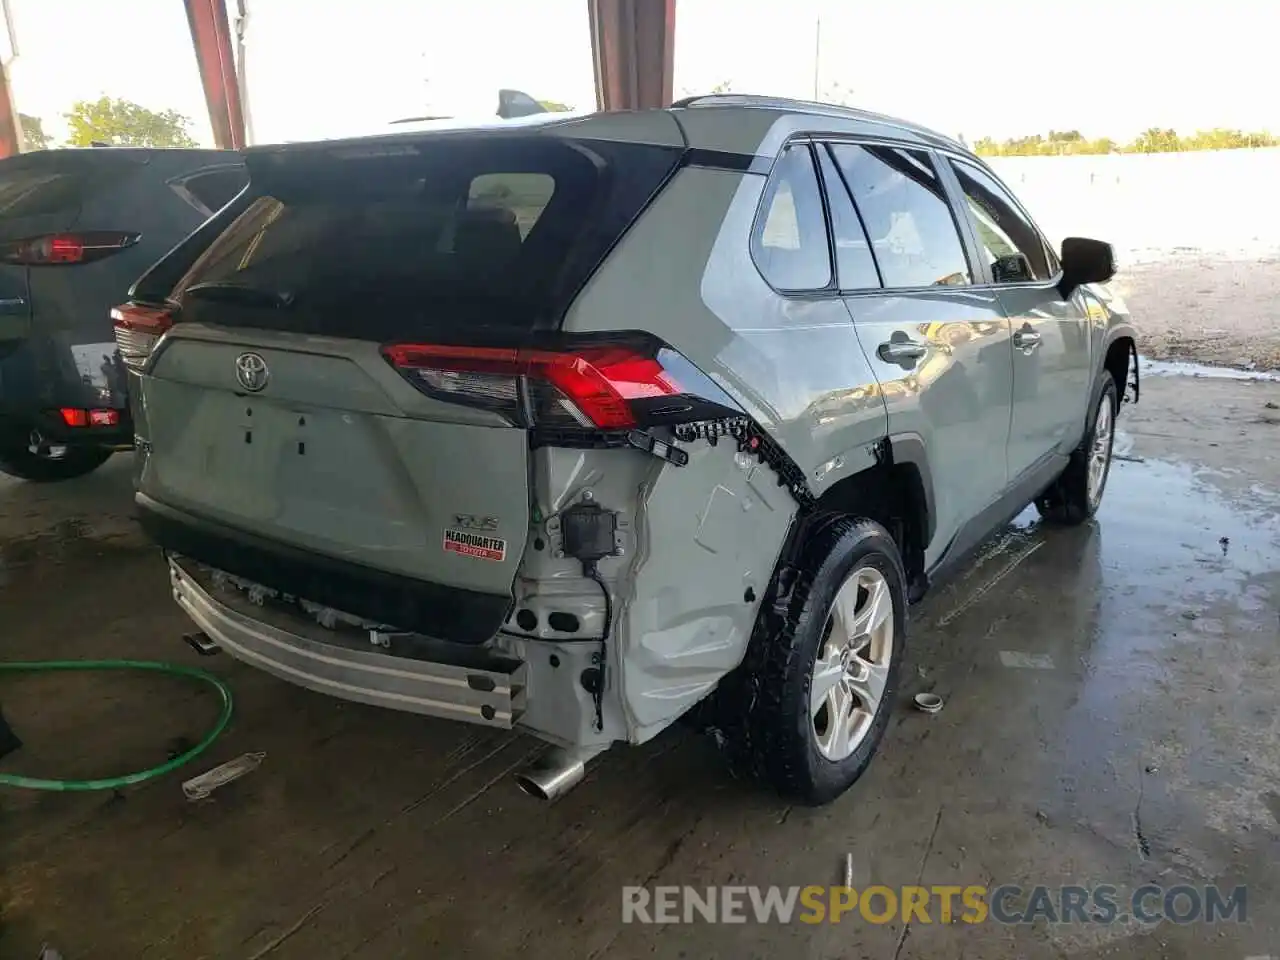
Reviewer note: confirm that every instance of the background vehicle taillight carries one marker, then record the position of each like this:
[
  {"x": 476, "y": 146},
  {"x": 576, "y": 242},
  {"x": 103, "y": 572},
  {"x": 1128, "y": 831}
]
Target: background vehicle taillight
[
  {"x": 605, "y": 386},
  {"x": 64, "y": 249},
  {"x": 138, "y": 329}
]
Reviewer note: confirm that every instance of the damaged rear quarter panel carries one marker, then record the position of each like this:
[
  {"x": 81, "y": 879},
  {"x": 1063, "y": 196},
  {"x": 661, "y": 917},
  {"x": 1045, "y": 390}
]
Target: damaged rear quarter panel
[{"x": 709, "y": 534}]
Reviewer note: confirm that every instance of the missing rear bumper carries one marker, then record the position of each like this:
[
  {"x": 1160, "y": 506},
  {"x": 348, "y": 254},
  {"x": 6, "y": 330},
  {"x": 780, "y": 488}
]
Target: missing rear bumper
[{"x": 434, "y": 679}]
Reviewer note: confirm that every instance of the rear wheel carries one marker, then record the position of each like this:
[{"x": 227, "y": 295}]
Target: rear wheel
[
  {"x": 1076, "y": 495},
  {"x": 808, "y": 707},
  {"x": 41, "y": 462}
]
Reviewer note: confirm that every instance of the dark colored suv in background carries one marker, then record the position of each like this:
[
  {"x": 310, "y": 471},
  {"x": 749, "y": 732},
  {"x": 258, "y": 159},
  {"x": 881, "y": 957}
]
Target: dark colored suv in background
[{"x": 77, "y": 227}]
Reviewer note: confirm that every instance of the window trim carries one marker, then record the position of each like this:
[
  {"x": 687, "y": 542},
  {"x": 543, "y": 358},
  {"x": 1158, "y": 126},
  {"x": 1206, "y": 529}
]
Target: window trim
[
  {"x": 825, "y": 148},
  {"x": 977, "y": 273},
  {"x": 179, "y": 183},
  {"x": 1051, "y": 256},
  {"x": 831, "y": 290}
]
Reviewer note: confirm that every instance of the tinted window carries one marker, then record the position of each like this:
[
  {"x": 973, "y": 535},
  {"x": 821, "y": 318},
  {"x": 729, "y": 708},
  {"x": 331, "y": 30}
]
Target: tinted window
[
  {"x": 1003, "y": 231},
  {"x": 906, "y": 214},
  {"x": 855, "y": 265},
  {"x": 46, "y": 189},
  {"x": 214, "y": 189},
  {"x": 452, "y": 232},
  {"x": 790, "y": 241},
  {"x": 524, "y": 195}
]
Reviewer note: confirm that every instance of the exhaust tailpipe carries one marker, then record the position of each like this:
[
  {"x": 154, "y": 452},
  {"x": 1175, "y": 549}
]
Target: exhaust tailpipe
[{"x": 554, "y": 774}]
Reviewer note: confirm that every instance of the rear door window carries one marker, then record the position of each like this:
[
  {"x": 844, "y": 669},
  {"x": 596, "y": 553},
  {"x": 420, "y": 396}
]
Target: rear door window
[
  {"x": 855, "y": 265},
  {"x": 906, "y": 214},
  {"x": 449, "y": 233}
]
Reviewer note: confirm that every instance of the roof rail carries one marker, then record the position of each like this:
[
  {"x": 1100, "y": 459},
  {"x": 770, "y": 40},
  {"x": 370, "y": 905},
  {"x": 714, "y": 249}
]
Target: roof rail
[{"x": 809, "y": 106}]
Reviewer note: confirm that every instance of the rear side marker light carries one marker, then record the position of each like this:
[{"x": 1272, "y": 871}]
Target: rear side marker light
[
  {"x": 138, "y": 329},
  {"x": 65, "y": 249},
  {"x": 593, "y": 387}
]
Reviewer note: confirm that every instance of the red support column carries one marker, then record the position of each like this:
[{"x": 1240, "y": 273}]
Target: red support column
[
  {"x": 10, "y": 132},
  {"x": 211, "y": 36},
  {"x": 633, "y": 46}
]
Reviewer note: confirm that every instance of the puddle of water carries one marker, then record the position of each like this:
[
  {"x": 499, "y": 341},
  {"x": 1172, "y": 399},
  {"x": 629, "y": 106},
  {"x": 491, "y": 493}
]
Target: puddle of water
[{"x": 1181, "y": 368}]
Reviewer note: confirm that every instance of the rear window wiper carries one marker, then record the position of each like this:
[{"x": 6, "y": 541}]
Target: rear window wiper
[{"x": 224, "y": 292}]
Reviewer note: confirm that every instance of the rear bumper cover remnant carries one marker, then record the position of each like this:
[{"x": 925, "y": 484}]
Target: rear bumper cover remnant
[
  {"x": 431, "y": 609},
  {"x": 467, "y": 684}
]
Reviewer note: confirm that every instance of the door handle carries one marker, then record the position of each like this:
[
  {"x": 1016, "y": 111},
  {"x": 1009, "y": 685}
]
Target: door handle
[
  {"x": 903, "y": 352},
  {"x": 13, "y": 305},
  {"x": 1026, "y": 340}
]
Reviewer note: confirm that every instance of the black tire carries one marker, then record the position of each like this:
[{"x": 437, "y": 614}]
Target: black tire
[
  {"x": 1067, "y": 501},
  {"x": 763, "y": 711},
  {"x": 20, "y": 462}
]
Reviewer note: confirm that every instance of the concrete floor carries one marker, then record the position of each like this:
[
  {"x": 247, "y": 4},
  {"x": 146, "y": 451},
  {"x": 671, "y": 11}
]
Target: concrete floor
[{"x": 1110, "y": 718}]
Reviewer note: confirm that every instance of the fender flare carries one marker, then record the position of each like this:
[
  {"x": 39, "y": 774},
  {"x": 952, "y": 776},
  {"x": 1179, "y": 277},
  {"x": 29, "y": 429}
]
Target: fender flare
[
  {"x": 1114, "y": 333},
  {"x": 910, "y": 448}
]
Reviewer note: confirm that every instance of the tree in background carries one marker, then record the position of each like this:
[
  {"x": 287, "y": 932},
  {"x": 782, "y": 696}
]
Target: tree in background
[
  {"x": 1156, "y": 140},
  {"x": 555, "y": 106},
  {"x": 1153, "y": 140},
  {"x": 124, "y": 124},
  {"x": 33, "y": 135}
]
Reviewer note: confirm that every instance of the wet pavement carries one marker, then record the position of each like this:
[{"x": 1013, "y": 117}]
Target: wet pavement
[{"x": 1110, "y": 718}]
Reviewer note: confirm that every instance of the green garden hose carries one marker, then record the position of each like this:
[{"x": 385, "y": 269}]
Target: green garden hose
[{"x": 112, "y": 783}]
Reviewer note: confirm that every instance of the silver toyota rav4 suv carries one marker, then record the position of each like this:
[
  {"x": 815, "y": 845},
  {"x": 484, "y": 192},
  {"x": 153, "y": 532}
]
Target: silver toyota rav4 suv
[{"x": 571, "y": 424}]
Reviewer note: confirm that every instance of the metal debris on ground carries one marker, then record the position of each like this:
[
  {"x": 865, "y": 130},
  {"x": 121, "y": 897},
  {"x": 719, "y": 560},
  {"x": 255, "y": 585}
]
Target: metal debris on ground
[
  {"x": 928, "y": 702},
  {"x": 198, "y": 788}
]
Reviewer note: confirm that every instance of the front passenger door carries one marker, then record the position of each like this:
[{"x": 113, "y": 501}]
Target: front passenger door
[{"x": 1051, "y": 347}]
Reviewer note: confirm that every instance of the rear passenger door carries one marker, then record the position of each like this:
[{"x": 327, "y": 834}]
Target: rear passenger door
[
  {"x": 1051, "y": 350},
  {"x": 938, "y": 341}
]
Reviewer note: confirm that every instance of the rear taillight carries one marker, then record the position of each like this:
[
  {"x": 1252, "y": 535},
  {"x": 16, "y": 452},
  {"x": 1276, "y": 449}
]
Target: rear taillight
[
  {"x": 76, "y": 417},
  {"x": 138, "y": 329},
  {"x": 64, "y": 249},
  {"x": 603, "y": 386}
]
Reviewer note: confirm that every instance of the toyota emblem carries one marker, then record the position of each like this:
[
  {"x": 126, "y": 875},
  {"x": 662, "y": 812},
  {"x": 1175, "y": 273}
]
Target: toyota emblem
[{"x": 252, "y": 372}]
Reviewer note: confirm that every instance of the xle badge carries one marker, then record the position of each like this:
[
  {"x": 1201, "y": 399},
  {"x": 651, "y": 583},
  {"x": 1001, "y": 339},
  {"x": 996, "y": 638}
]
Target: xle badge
[{"x": 474, "y": 545}]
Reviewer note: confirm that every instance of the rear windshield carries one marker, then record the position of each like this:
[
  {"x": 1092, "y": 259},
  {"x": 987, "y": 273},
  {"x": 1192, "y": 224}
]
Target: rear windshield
[
  {"x": 39, "y": 190},
  {"x": 378, "y": 242}
]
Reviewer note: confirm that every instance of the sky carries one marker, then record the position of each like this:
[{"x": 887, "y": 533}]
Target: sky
[{"x": 319, "y": 68}]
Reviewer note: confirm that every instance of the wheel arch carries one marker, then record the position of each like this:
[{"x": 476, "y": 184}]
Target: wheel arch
[
  {"x": 1120, "y": 359},
  {"x": 897, "y": 492}
]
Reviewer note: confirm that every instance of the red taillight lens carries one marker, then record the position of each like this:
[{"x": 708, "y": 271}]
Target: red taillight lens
[
  {"x": 590, "y": 387},
  {"x": 60, "y": 249},
  {"x": 75, "y": 417},
  {"x": 138, "y": 329}
]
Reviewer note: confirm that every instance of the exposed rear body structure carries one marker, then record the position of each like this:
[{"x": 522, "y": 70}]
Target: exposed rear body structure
[{"x": 574, "y": 424}]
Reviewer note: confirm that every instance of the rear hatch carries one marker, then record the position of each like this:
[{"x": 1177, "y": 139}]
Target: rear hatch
[
  {"x": 309, "y": 392},
  {"x": 41, "y": 196}
]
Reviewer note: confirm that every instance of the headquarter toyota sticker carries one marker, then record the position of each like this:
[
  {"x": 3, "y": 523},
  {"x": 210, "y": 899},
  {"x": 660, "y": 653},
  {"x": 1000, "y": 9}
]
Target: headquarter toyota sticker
[{"x": 468, "y": 544}]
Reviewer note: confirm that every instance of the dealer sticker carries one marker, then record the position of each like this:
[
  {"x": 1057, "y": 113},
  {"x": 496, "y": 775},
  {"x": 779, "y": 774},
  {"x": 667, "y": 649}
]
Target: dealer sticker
[{"x": 474, "y": 545}]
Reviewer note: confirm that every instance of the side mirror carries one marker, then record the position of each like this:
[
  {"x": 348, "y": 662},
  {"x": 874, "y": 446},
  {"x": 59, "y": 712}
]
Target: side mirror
[{"x": 1085, "y": 261}]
